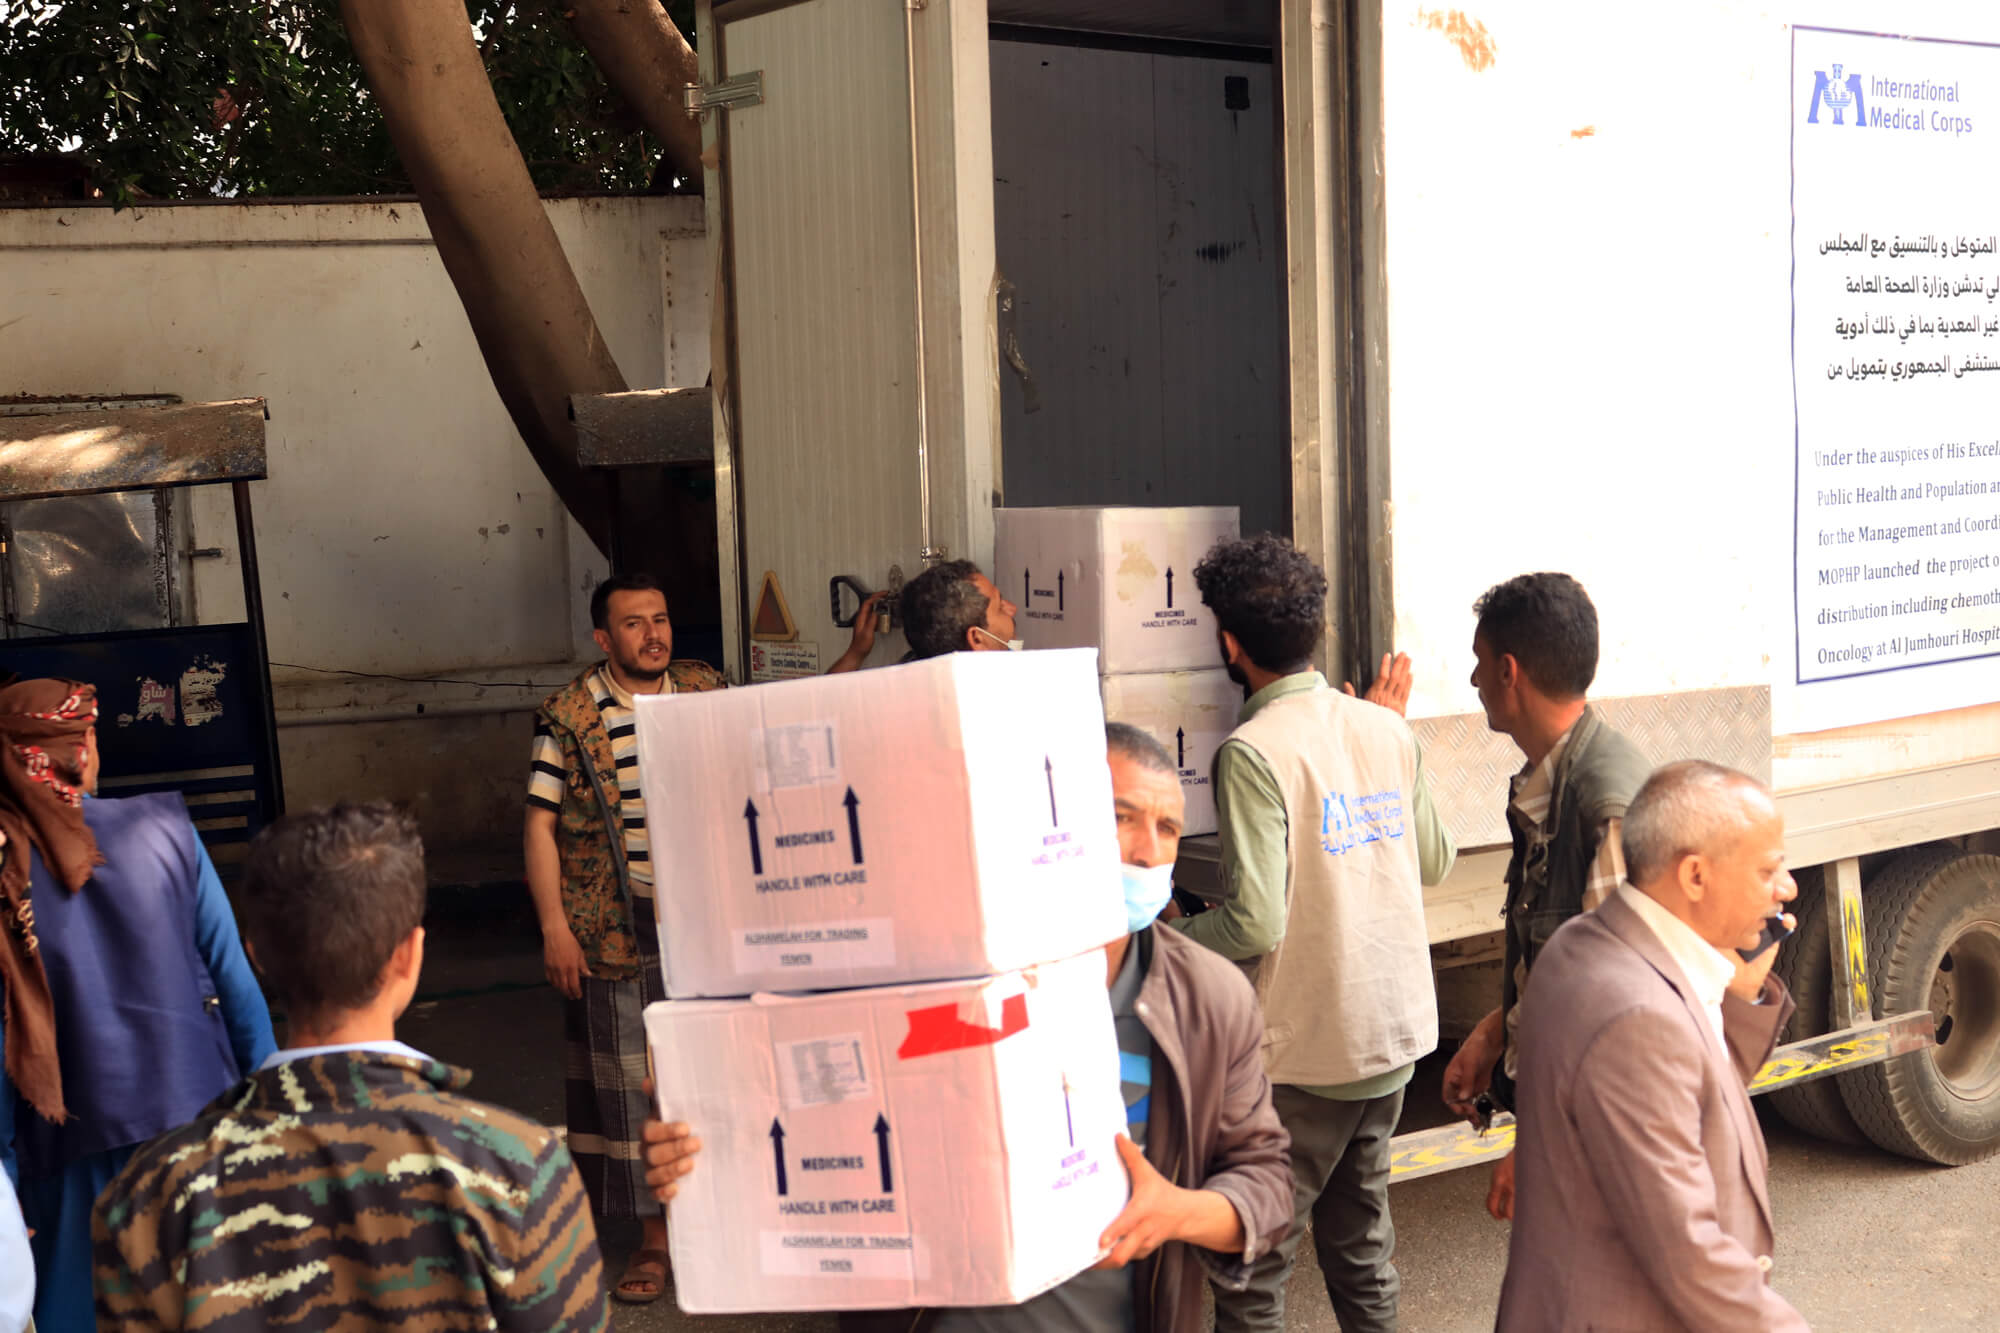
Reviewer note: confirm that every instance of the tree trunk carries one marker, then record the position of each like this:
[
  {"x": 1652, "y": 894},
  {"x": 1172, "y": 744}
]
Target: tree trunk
[
  {"x": 647, "y": 62},
  {"x": 540, "y": 341}
]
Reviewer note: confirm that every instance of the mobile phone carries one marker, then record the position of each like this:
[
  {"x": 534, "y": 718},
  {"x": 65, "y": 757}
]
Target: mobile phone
[{"x": 1775, "y": 929}]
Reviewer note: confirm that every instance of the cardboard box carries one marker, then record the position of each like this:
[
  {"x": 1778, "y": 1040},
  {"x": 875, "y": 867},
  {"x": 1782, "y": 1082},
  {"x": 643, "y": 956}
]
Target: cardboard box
[
  {"x": 1116, "y": 579},
  {"x": 948, "y": 818},
  {"x": 1189, "y": 712},
  {"x": 946, "y": 1144}
]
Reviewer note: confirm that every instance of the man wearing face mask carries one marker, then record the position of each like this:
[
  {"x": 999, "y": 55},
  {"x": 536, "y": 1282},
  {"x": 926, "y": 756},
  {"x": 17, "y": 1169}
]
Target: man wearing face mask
[
  {"x": 1198, "y": 1108},
  {"x": 953, "y": 608},
  {"x": 1328, "y": 835}
]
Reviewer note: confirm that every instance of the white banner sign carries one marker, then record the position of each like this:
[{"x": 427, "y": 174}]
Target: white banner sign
[{"x": 1896, "y": 372}]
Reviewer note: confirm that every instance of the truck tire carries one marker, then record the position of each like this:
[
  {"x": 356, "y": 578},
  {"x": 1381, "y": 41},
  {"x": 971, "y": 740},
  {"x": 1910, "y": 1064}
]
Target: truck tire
[
  {"x": 1933, "y": 923},
  {"x": 1806, "y": 968}
]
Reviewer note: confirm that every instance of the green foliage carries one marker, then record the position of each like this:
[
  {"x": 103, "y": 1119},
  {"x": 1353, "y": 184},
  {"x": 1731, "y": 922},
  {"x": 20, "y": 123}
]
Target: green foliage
[{"x": 184, "y": 99}]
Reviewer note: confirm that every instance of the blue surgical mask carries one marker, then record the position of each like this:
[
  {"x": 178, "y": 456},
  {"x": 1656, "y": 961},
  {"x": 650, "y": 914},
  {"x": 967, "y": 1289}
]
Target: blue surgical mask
[{"x": 1147, "y": 889}]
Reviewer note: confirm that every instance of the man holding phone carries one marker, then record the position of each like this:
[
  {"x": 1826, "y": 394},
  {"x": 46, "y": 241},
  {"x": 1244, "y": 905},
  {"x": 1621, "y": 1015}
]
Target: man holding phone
[{"x": 1644, "y": 1027}]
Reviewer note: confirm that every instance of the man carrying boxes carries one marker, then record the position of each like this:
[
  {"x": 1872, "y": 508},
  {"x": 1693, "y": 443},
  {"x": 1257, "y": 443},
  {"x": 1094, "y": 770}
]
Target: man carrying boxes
[
  {"x": 1197, "y": 1106},
  {"x": 1328, "y": 834}
]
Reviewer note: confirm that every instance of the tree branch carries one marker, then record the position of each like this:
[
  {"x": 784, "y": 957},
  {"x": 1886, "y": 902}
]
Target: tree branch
[
  {"x": 534, "y": 327},
  {"x": 647, "y": 62}
]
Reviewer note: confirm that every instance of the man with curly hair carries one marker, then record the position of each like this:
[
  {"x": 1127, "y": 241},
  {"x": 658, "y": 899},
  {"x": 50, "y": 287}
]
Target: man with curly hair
[{"x": 1328, "y": 835}]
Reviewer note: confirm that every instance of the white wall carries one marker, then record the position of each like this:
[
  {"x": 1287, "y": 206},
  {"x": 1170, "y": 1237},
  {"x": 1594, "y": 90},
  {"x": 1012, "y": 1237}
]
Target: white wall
[
  {"x": 1589, "y": 255},
  {"x": 404, "y": 528}
]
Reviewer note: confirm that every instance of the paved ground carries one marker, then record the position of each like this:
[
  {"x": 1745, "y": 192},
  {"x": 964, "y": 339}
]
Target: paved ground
[{"x": 1867, "y": 1242}]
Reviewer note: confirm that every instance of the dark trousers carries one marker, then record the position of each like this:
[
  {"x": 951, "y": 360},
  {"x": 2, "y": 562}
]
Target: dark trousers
[
  {"x": 604, "y": 1100},
  {"x": 1340, "y": 1184}
]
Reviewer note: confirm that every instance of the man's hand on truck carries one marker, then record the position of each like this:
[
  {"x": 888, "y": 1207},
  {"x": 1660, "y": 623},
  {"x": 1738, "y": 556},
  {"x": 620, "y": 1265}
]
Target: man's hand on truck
[
  {"x": 862, "y": 642},
  {"x": 1392, "y": 684}
]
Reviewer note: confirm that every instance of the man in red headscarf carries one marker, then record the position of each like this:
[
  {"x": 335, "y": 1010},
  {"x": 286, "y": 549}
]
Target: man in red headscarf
[{"x": 129, "y": 1003}]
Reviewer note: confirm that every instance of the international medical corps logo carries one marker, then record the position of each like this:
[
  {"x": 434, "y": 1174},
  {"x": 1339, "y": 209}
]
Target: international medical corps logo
[
  {"x": 1839, "y": 93},
  {"x": 1347, "y": 822}
]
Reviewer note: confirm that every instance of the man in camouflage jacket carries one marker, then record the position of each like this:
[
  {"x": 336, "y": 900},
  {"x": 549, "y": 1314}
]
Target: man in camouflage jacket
[
  {"x": 589, "y": 864},
  {"x": 347, "y": 1183}
]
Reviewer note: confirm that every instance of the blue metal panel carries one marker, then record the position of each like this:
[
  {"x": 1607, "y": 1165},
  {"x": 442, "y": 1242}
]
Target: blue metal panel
[{"x": 173, "y": 705}]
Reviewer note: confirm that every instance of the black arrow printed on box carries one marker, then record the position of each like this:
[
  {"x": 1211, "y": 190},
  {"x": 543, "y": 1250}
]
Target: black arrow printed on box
[
  {"x": 778, "y": 1152},
  {"x": 882, "y": 1152},
  {"x": 756, "y": 847},
  {"x": 1059, "y": 590},
  {"x": 1170, "y": 587},
  {"x": 1027, "y": 588},
  {"x": 853, "y": 804},
  {"x": 1049, "y": 768},
  {"x": 1180, "y": 748}
]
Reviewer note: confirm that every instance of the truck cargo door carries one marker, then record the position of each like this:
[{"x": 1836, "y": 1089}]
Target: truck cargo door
[
  {"x": 1329, "y": 74},
  {"x": 848, "y": 176}
]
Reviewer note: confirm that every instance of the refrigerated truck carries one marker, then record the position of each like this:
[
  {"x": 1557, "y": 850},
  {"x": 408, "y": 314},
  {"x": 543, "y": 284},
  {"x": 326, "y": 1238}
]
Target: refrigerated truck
[{"x": 1696, "y": 306}]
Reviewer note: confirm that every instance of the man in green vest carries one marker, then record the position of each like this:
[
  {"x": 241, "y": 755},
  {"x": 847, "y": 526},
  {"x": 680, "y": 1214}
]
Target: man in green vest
[
  {"x": 1536, "y": 654},
  {"x": 1328, "y": 835}
]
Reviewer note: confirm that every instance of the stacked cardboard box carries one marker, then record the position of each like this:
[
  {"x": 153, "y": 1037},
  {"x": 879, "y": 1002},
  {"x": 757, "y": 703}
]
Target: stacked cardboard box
[
  {"x": 930, "y": 849},
  {"x": 1121, "y": 580}
]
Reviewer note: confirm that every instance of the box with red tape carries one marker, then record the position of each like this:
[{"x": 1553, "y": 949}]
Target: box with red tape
[{"x": 950, "y": 1143}]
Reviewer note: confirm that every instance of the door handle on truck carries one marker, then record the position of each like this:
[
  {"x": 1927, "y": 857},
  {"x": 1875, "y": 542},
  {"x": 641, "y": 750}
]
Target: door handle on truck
[{"x": 884, "y": 611}]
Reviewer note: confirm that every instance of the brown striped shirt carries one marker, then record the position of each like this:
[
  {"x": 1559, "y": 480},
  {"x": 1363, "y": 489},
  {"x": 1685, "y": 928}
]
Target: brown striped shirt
[{"x": 349, "y": 1190}]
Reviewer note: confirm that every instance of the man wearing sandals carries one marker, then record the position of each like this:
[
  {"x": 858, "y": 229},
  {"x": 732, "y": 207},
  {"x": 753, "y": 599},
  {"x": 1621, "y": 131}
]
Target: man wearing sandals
[{"x": 590, "y": 873}]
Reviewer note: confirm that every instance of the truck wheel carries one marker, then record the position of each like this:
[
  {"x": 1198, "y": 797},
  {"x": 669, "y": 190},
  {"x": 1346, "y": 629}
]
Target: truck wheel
[
  {"x": 1933, "y": 922},
  {"x": 1806, "y": 968}
]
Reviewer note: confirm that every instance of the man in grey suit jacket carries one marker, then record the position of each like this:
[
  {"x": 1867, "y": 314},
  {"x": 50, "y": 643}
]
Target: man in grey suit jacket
[{"x": 1642, "y": 1202}]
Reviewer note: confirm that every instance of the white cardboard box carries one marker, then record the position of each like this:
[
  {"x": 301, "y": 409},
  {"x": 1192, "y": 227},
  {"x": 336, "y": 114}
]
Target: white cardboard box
[
  {"x": 948, "y": 818},
  {"x": 947, "y": 1144},
  {"x": 1117, "y": 579},
  {"x": 1189, "y": 712}
]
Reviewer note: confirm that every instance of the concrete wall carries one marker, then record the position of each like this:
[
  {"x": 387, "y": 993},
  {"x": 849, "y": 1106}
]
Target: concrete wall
[{"x": 404, "y": 531}]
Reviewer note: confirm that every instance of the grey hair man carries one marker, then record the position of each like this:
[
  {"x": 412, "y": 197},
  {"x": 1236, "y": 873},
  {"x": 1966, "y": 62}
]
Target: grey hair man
[
  {"x": 953, "y": 608},
  {"x": 1642, "y": 1031}
]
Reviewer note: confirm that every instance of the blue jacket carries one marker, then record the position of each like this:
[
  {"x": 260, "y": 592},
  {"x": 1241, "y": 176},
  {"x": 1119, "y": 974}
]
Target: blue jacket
[{"x": 157, "y": 1011}]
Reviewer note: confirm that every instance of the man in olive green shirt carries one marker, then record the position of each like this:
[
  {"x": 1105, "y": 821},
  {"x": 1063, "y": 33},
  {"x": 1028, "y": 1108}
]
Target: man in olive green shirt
[{"x": 1328, "y": 834}]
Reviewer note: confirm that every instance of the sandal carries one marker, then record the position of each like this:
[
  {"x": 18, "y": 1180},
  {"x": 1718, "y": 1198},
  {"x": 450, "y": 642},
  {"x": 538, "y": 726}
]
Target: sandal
[{"x": 647, "y": 1272}]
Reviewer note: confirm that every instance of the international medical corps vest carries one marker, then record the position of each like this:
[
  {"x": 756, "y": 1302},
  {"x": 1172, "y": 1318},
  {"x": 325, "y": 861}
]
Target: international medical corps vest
[
  {"x": 138, "y": 1030},
  {"x": 1347, "y": 994}
]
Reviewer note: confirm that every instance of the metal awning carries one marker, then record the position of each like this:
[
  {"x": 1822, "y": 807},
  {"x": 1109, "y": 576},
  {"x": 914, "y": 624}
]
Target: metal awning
[
  {"x": 84, "y": 447},
  {"x": 643, "y": 427}
]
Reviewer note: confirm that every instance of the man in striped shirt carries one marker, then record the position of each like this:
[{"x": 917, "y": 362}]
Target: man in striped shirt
[{"x": 589, "y": 866}]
